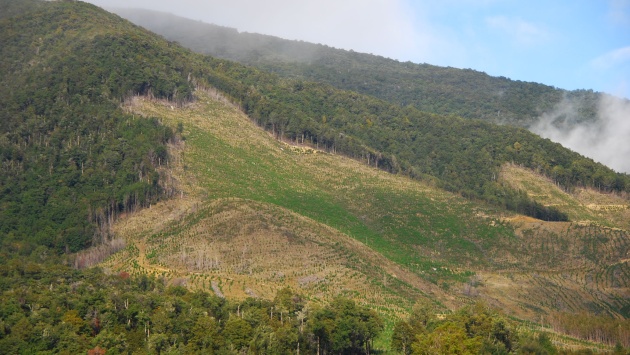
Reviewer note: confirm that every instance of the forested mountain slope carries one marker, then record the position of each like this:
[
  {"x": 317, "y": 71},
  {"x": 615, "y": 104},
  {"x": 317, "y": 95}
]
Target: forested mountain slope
[
  {"x": 108, "y": 125},
  {"x": 443, "y": 90},
  {"x": 461, "y": 155},
  {"x": 73, "y": 161}
]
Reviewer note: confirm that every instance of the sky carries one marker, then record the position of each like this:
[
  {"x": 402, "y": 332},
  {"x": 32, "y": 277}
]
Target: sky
[{"x": 569, "y": 44}]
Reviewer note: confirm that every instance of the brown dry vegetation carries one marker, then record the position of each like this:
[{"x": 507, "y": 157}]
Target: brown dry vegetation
[
  {"x": 563, "y": 266},
  {"x": 584, "y": 205},
  {"x": 243, "y": 224},
  {"x": 249, "y": 248}
]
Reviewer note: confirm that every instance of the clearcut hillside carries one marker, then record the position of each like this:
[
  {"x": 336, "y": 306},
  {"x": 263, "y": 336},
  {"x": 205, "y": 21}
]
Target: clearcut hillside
[
  {"x": 261, "y": 214},
  {"x": 178, "y": 173}
]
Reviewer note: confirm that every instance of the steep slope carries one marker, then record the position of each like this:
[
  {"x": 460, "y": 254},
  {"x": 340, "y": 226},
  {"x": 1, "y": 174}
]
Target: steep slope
[
  {"x": 71, "y": 161},
  {"x": 265, "y": 193},
  {"x": 260, "y": 215},
  {"x": 465, "y": 93},
  {"x": 96, "y": 67},
  {"x": 433, "y": 241},
  {"x": 306, "y": 203},
  {"x": 377, "y": 124}
]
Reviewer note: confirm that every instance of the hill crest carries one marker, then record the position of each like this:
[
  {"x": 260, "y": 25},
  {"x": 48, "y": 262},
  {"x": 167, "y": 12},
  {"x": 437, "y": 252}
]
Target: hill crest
[{"x": 430, "y": 88}]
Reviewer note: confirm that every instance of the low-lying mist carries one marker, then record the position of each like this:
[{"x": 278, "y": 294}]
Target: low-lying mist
[{"x": 606, "y": 140}]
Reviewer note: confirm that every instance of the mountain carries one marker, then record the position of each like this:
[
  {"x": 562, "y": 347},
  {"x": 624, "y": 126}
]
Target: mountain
[
  {"x": 71, "y": 160},
  {"x": 464, "y": 156},
  {"x": 585, "y": 121},
  {"x": 299, "y": 193},
  {"x": 442, "y": 90},
  {"x": 211, "y": 205}
]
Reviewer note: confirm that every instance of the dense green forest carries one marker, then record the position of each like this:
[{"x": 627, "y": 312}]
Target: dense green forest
[
  {"x": 442, "y": 90},
  {"x": 477, "y": 330},
  {"x": 71, "y": 160},
  {"x": 48, "y": 308}
]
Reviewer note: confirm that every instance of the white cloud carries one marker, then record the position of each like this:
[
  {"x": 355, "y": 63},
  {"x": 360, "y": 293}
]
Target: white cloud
[
  {"x": 383, "y": 27},
  {"x": 521, "y": 32},
  {"x": 612, "y": 59},
  {"x": 605, "y": 140}
]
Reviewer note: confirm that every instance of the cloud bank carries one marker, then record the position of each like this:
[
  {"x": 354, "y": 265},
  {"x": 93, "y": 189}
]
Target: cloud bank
[
  {"x": 383, "y": 27},
  {"x": 522, "y": 32},
  {"x": 606, "y": 141},
  {"x": 513, "y": 39}
]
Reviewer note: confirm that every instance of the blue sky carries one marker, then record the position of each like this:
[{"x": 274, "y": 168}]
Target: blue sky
[{"x": 570, "y": 44}]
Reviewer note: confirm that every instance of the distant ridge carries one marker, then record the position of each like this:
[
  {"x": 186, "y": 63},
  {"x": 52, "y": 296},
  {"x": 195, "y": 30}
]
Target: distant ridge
[{"x": 442, "y": 90}]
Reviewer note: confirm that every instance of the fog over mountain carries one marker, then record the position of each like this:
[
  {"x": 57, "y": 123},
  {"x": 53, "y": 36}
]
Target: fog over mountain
[
  {"x": 383, "y": 27},
  {"x": 393, "y": 29},
  {"x": 607, "y": 140},
  {"x": 586, "y": 48}
]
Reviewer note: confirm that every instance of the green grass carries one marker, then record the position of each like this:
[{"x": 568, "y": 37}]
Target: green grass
[
  {"x": 440, "y": 237},
  {"x": 403, "y": 224}
]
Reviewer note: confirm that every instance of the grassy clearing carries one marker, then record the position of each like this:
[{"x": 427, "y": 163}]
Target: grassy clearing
[
  {"x": 409, "y": 222},
  {"x": 256, "y": 214},
  {"x": 585, "y": 206},
  {"x": 245, "y": 195},
  {"x": 567, "y": 267}
]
